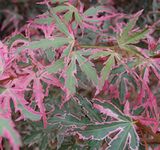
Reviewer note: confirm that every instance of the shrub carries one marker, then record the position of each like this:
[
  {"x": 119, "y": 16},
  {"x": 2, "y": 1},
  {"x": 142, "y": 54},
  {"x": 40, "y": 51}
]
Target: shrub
[{"x": 80, "y": 77}]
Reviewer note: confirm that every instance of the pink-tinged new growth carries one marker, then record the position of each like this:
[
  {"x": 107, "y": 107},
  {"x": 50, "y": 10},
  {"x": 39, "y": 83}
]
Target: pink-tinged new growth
[
  {"x": 84, "y": 71},
  {"x": 8, "y": 131},
  {"x": 39, "y": 97}
]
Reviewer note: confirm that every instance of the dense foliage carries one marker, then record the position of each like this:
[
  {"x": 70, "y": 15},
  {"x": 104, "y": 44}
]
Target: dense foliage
[{"x": 80, "y": 76}]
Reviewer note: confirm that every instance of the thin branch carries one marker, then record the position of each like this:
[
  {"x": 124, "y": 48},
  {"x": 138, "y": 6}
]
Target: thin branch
[{"x": 97, "y": 46}]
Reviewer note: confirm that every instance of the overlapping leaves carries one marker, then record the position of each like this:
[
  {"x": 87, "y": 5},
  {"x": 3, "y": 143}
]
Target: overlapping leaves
[
  {"x": 8, "y": 131},
  {"x": 128, "y": 37},
  {"x": 95, "y": 120},
  {"x": 98, "y": 129}
]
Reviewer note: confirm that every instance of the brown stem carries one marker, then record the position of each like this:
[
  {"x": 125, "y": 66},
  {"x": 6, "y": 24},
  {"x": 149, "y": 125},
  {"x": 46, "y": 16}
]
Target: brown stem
[
  {"x": 144, "y": 140},
  {"x": 154, "y": 137},
  {"x": 97, "y": 46}
]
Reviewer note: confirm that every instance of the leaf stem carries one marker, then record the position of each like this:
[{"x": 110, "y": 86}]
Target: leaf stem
[{"x": 97, "y": 46}]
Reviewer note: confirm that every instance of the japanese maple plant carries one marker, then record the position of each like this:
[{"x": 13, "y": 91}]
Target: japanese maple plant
[{"x": 80, "y": 78}]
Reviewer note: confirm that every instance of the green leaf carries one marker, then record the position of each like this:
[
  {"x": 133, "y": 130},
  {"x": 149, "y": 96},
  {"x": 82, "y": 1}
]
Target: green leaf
[
  {"x": 133, "y": 38},
  {"x": 134, "y": 141},
  {"x": 28, "y": 114},
  {"x": 93, "y": 114},
  {"x": 7, "y": 130},
  {"x": 67, "y": 50},
  {"x": 84, "y": 52},
  {"x": 125, "y": 33},
  {"x": 14, "y": 38},
  {"x": 127, "y": 37},
  {"x": 68, "y": 16},
  {"x": 122, "y": 90},
  {"x": 50, "y": 54},
  {"x": 35, "y": 136},
  {"x": 124, "y": 133},
  {"x": 59, "y": 1},
  {"x": 59, "y": 8},
  {"x": 87, "y": 67},
  {"x": 101, "y": 131},
  {"x": 44, "y": 142},
  {"x": 25, "y": 110},
  {"x": 78, "y": 18},
  {"x": 2, "y": 89},
  {"x": 93, "y": 10},
  {"x": 60, "y": 139},
  {"x": 44, "y": 21},
  {"x": 130, "y": 79},
  {"x": 127, "y": 133},
  {"x": 94, "y": 145},
  {"x": 114, "y": 79},
  {"x": 71, "y": 81},
  {"x": 67, "y": 120},
  {"x": 100, "y": 54},
  {"x": 46, "y": 44},
  {"x": 75, "y": 107},
  {"x": 111, "y": 110},
  {"x": 58, "y": 65},
  {"x": 123, "y": 129},
  {"x": 106, "y": 70},
  {"x": 133, "y": 50},
  {"x": 122, "y": 68},
  {"x": 138, "y": 111},
  {"x": 60, "y": 25}
]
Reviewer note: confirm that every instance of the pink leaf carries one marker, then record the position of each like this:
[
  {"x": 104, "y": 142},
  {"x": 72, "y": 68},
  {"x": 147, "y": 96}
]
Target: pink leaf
[
  {"x": 105, "y": 111},
  {"x": 8, "y": 131},
  {"x": 127, "y": 108},
  {"x": 39, "y": 97}
]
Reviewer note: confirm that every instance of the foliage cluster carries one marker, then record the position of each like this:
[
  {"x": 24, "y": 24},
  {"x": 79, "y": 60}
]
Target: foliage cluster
[{"x": 79, "y": 77}]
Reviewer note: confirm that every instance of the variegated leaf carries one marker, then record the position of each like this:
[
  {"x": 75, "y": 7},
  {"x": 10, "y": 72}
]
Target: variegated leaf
[
  {"x": 110, "y": 110},
  {"x": 8, "y": 131},
  {"x": 58, "y": 65},
  {"x": 88, "y": 68},
  {"x": 70, "y": 80},
  {"x": 106, "y": 70}
]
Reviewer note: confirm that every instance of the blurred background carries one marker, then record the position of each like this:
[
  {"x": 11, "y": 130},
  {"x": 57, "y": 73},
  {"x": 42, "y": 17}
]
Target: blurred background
[{"x": 15, "y": 13}]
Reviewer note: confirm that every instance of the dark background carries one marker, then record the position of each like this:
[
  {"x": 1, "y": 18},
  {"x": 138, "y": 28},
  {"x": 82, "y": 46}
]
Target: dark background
[{"x": 15, "y": 13}]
